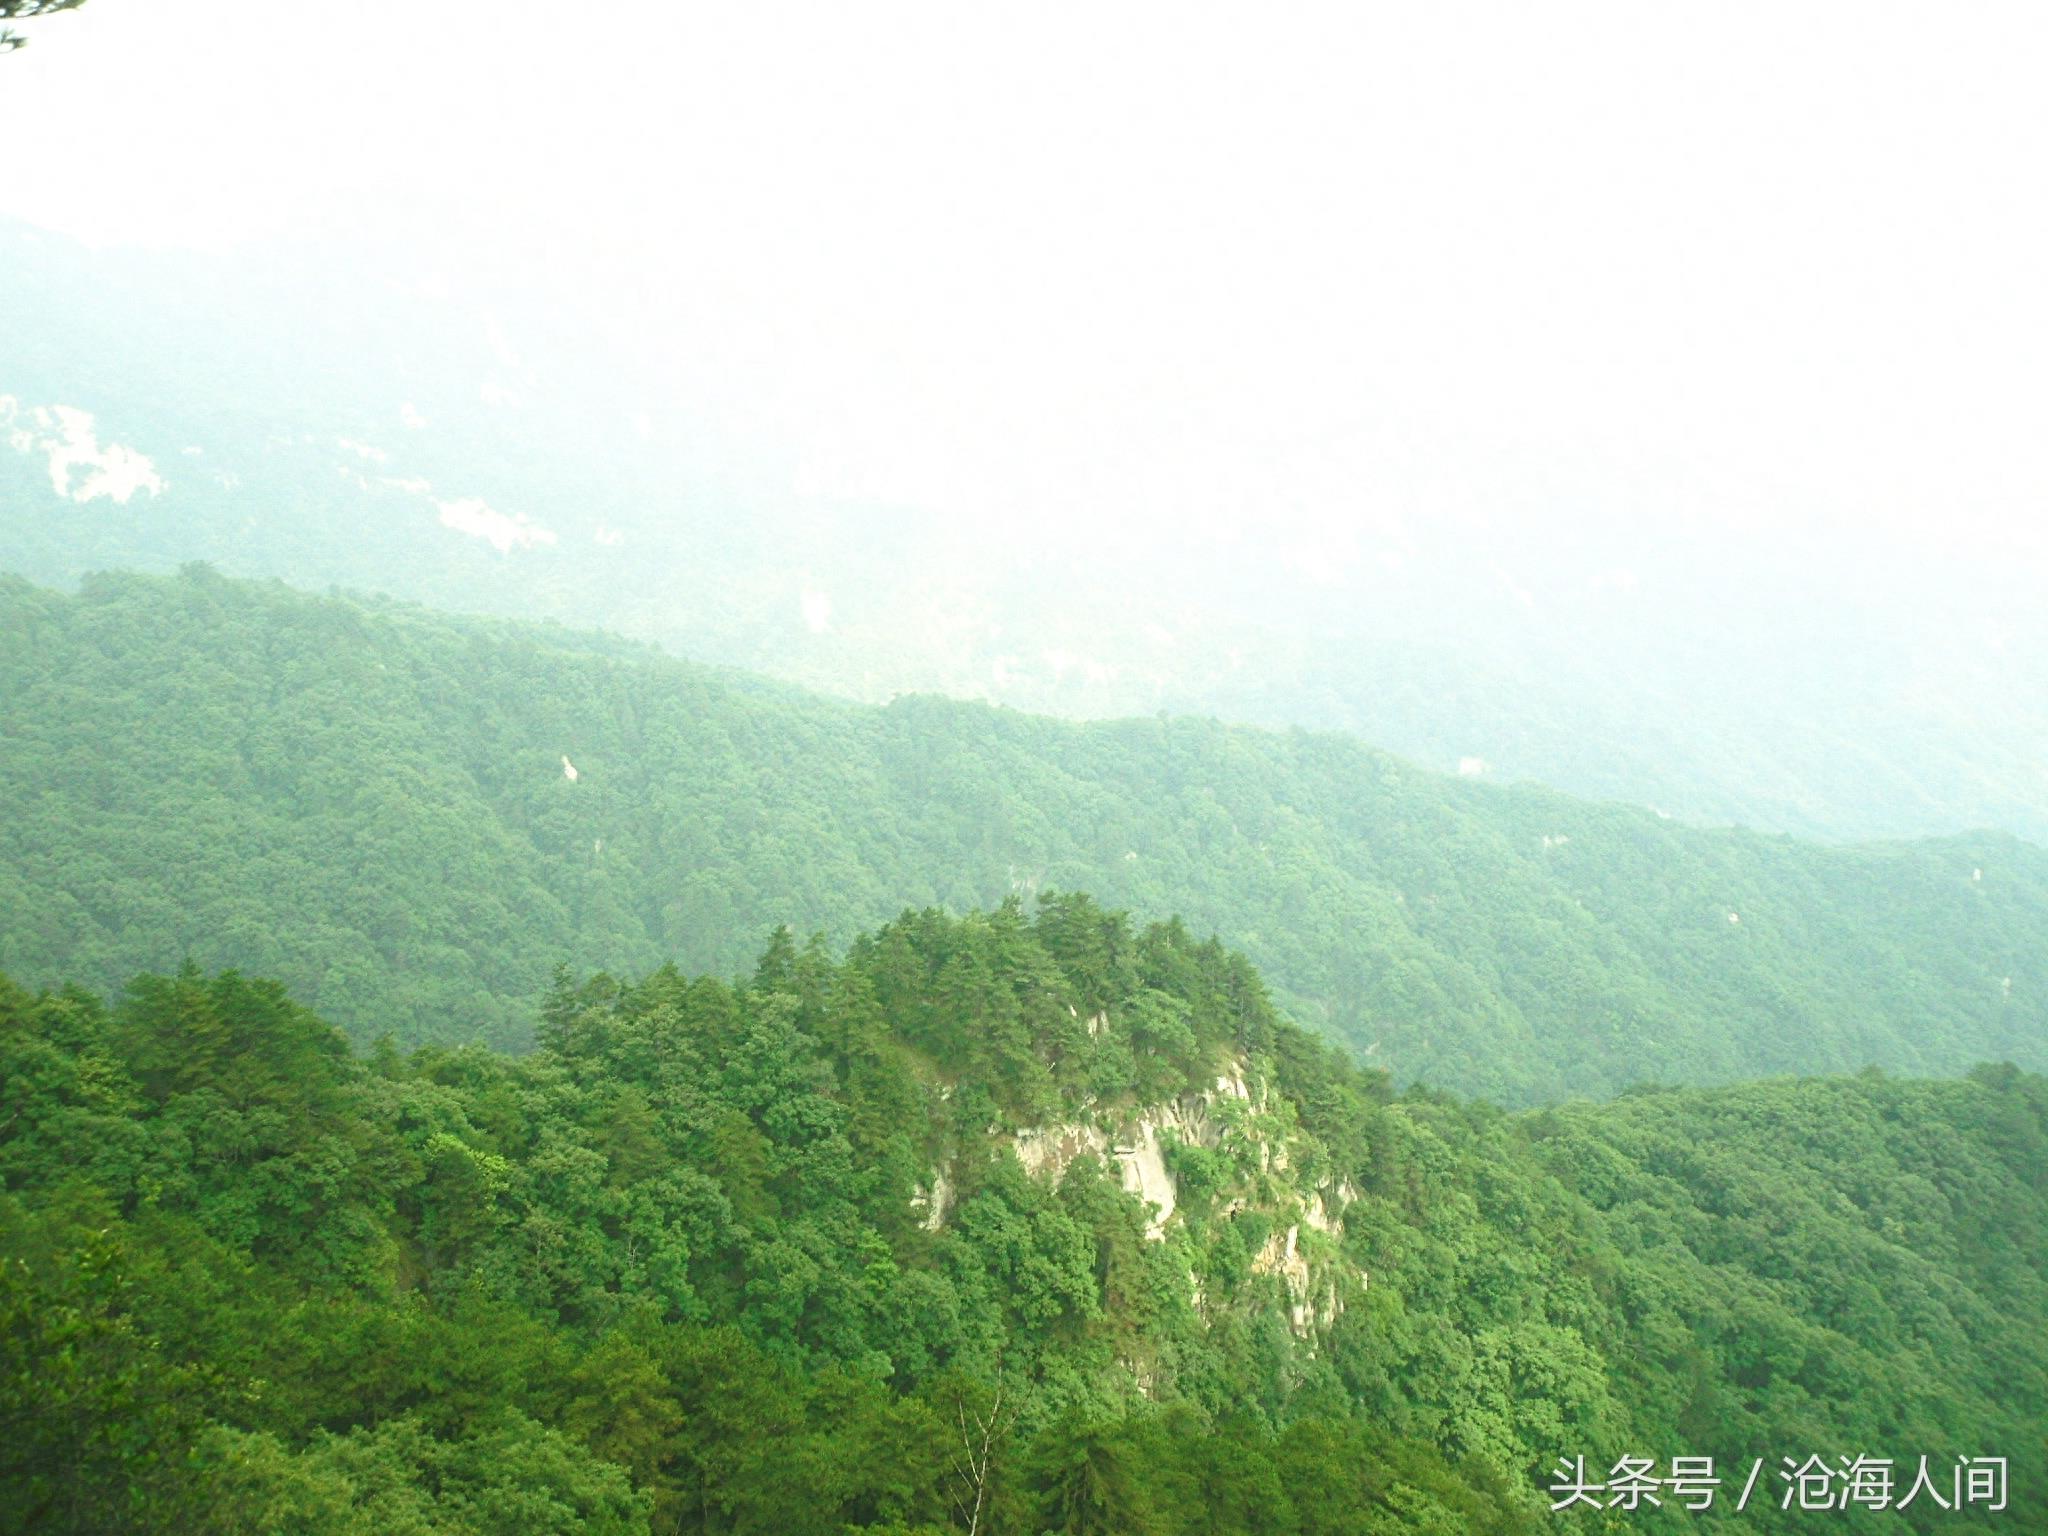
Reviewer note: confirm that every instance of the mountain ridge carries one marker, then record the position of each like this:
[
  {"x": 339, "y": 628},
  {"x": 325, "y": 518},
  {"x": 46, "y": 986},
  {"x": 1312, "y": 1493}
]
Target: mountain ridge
[{"x": 405, "y": 847}]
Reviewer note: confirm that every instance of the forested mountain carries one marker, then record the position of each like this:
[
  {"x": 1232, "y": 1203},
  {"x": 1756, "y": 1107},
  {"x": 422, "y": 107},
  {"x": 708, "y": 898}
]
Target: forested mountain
[
  {"x": 995, "y": 1224},
  {"x": 411, "y": 819},
  {"x": 1161, "y": 771},
  {"x": 455, "y": 438}
]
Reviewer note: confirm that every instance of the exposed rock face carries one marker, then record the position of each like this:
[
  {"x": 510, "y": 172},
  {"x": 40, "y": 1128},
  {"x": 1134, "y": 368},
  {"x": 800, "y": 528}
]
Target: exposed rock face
[
  {"x": 1234, "y": 1118},
  {"x": 1049, "y": 1149},
  {"x": 1282, "y": 1256},
  {"x": 1325, "y": 1209},
  {"x": 1143, "y": 1164},
  {"x": 1314, "y": 1297},
  {"x": 934, "y": 1200},
  {"x": 1138, "y": 1152},
  {"x": 1138, "y": 1145}
]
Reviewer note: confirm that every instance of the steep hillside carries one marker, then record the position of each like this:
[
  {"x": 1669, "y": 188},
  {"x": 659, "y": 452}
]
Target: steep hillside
[
  {"x": 994, "y": 1224},
  {"x": 412, "y": 819}
]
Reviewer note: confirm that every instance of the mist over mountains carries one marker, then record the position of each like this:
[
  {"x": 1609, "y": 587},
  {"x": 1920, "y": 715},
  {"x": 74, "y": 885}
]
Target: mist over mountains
[
  {"x": 1080, "y": 771},
  {"x": 487, "y": 445}
]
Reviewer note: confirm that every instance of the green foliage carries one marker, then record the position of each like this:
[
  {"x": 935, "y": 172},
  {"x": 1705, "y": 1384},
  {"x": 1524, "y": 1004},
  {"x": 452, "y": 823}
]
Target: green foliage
[
  {"x": 758, "y": 1257},
  {"x": 370, "y": 803}
]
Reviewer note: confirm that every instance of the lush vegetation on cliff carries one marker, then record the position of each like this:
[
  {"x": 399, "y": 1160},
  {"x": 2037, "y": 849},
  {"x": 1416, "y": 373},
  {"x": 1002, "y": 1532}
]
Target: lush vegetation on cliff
[{"x": 760, "y": 1256}]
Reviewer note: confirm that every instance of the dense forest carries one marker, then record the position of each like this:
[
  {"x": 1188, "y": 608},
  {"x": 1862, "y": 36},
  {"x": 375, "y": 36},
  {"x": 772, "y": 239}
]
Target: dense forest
[
  {"x": 1020, "y": 1221},
  {"x": 411, "y": 819},
  {"x": 1157, "y": 772}
]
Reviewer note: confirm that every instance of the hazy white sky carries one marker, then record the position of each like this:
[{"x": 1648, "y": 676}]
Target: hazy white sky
[{"x": 1739, "y": 263}]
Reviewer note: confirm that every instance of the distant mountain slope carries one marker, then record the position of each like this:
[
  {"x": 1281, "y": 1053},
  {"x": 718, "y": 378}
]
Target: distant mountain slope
[
  {"x": 326, "y": 415},
  {"x": 412, "y": 819}
]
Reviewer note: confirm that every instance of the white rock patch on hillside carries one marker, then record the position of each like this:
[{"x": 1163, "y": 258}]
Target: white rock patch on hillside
[{"x": 80, "y": 469}]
